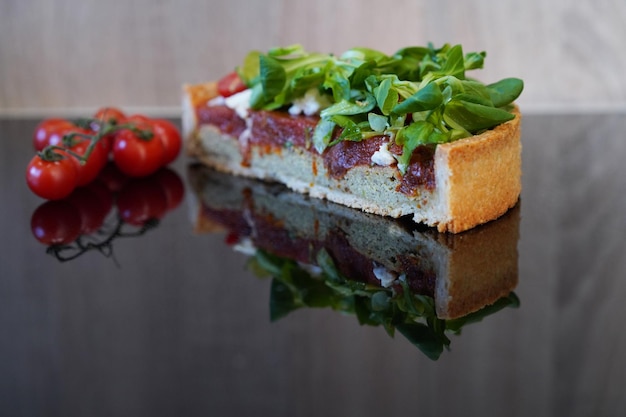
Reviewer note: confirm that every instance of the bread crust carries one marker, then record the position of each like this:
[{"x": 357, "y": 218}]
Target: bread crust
[
  {"x": 482, "y": 174},
  {"x": 477, "y": 179}
]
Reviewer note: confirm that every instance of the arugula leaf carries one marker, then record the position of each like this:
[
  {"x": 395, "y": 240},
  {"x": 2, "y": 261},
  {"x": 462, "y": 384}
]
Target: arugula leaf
[
  {"x": 249, "y": 71},
  {"x": 322, "y": 134},
  {"x": 426, "y": 98},
  {"x": 381, "y": 301},
  {"x": 423, "y": 338},
  {"x": 350, "y": 107},
  {"x": 306, "y": 79},
  {"x": 360, "y": 74},
  {"x": 478, "y": 90},
  {"x": 412, "y": 315},
  {"x": 474, "y": 60},
  {"x": 282, "y": 301},
  {"x": 411, "y": 59},
  {"x": 418, "y": 133},
  {"x": 350, "y": 130},
  {"x": 273, "y": 76},
  {"x": 505, "y": 91},
  {"x": 337, "y": 81},
  {"x": 454, "y": 63},
  {"x": 377, "y": 122},
  {"x": 294, "y": 50},
  {"x": 386, "y": 96},
  {"x": 257, "y": 97},
  {"x": 363, "y": 55},
  {"x": 474, "y": 117},
  {"x": 374, "y": 93}
]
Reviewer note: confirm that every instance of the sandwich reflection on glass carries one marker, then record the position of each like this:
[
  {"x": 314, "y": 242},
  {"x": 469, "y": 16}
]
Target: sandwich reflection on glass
[{"x": 388, "y": 272}]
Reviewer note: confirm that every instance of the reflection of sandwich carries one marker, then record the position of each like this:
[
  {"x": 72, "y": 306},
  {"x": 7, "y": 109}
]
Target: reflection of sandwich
[
  {"x": 386, "y": 271},
  {"x": 400, "y": 135}
]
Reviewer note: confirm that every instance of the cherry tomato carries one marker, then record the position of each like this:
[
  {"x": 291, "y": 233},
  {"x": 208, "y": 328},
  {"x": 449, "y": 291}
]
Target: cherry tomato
[
  {"x": 52, "y": 180},
  {"x": 97, "y": 159},
  {"x": 169, "y": 135},
  {"x": 138, "y": 118},
  {"x": 56, "y": 223},
  {"x": 230, "y": 84},
  {"x": 172, "y": 186},
  {"x": 232, "y": 238},
  {"x": 135, "y": 156},
  {"x": 141, "y": 200},
  {"x": 50, "y": 132},
  {"x": 109, "y": 115}
]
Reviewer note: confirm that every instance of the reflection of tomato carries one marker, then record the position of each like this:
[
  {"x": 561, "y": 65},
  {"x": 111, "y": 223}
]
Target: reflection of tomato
[
  {"x": 169, "y": 135},
  {"x": 50, "y": 132},
  {"x": 112, "y": 177},
  {"x": 232, "y": 238},
  {"x": 172, "y": 186},
  {"x": 136, "y": 156},
  {"x": 141, "y": 200},
  {"x": 52, "y": 180},
  {"x": 103, "y": 194},
  {"x": 93, "y": 206},
  {"x": 56, "y": 223}
]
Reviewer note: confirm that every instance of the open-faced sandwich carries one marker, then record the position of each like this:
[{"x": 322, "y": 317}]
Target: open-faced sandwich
[
  {"x": 397, "y": 135},
  {"x": 391, "y": 273}
]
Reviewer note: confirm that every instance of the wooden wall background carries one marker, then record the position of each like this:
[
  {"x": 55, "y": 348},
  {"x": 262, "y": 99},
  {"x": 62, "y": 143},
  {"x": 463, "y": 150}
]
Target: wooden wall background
[{"x": 71, "y": 54}]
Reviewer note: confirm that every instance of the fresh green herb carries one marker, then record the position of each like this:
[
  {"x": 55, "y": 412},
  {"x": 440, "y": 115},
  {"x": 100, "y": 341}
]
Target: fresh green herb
[{"x": 418, "y": 95}]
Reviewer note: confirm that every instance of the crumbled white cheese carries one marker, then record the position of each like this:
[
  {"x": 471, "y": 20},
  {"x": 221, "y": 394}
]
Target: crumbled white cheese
[
  {"x": 217, "y": 101},
  {"x": 244, "y": 138},
  {"x": 385, "y": 276},
  {"x": 245, "y": 246},
  {"x": 313, "y": 270},
  {"x": 382, "y": 156},
  {"x": 240, "y": 102},
  {"x": 312, "y": 103}
]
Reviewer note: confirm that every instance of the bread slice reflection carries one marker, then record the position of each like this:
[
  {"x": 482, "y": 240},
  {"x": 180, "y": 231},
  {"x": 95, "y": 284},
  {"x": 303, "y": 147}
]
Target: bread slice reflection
[{"x": 462, "y": 273}]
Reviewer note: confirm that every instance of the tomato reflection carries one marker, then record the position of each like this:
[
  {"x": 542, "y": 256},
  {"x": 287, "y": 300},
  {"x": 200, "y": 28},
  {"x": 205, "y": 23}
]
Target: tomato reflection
[{"x": 108, "y": 208}]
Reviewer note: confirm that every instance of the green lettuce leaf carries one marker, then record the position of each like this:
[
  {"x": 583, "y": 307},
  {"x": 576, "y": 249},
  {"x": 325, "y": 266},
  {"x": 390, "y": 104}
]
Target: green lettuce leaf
[{"x": 418, "y": 95}]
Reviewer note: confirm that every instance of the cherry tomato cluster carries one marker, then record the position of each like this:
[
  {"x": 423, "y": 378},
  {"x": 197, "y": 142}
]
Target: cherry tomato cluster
[
  {"x": 85, "y": 212},
  {"x": 71, "y": 154}
]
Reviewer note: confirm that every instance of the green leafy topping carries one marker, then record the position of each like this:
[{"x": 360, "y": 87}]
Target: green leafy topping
[
  {"x": 377, "y": 122},
  {"x": 416, "y": 134},
  {"x": 427, "y": 98},
  {"x": 412, "y": 315},
  {"x": 505, "y": 91},
  {"x": 273, "y": 76},
  {"x": 417, "y": 96},
  {"x": 323, "y": 134}
]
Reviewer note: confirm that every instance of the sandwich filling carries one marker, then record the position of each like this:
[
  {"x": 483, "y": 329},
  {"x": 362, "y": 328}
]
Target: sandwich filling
[
  {"x": 362, "y": 108},
  {"x": 273, "y": 131}
]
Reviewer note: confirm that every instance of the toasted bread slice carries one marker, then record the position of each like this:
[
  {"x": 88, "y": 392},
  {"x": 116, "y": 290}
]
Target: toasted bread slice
[{"x": 476, "y": 179}]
